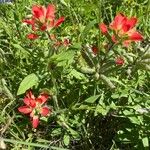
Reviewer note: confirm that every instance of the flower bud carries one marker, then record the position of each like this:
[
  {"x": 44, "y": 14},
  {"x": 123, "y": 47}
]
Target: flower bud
[
  {"x": 103, "y": 28},
  {"x": 119, "y": 61}
]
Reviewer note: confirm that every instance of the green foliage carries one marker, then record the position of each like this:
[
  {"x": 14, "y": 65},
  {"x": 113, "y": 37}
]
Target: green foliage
[{"x": 96, "y": 103}]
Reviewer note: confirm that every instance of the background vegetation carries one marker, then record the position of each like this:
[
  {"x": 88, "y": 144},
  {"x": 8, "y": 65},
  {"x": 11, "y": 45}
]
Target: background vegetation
[{"x": 105, "y": 110}]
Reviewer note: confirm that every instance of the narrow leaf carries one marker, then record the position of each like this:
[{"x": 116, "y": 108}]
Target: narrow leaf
[{"x": 92, "y": 99}]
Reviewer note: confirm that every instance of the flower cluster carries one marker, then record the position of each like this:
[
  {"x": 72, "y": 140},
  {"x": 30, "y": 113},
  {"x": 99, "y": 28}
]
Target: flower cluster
[
  {"x": 123, "y": 29},
  {"x": 42, "y": 19},
  {"x": 34, "y": 107}
]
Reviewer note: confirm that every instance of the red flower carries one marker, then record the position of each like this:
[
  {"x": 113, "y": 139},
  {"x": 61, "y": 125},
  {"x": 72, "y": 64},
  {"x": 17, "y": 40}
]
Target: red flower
[
  {"x": 103, "y": 28},
  {"x": 119, "y": 61},
  {"x": 44, "y": 18},
  {"x": 32, "y": 36},
  {"x": 124, "y": 28},
  {"x": 34, "y": 107}
]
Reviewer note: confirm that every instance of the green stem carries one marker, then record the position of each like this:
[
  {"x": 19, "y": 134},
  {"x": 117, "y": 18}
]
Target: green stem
[
  {"x": 32, "y": 144},
  {"x": 55, "y": 91},
  {"x": 51, "y": 51},
  {"x": 112, "y": 45},
  {"x": 99, "y": 37}
]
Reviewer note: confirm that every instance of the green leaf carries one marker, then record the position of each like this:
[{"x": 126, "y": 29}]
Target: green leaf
[
  {"x": 66, "y": 140},
  {"x": 2, "y": 119},
  {"x": 116, "y": 80},
  {"x": 145, "y": 142},
  {"x": 74, "y": 133},
  {"x": 5, "y": 89},
  {"x": 77, "y": 74},
  {"x": 21, "y": 52},
  {"x": 133, "y": 118},
  {"x": 143, "y": 66},
  {"x": 92, "y": 99},
  {"x": 56, "y": 132},
  {"x": 76, "y": 46},
  {"x": 107, "y": 81},
  {"x": 83, "y": 107},
  {"x": 102, "y": 110},
  {"x": 28, "y": 82},
  {"x": 115, "y": 95},
  {"x": 64, "y": 58},
  {"x": 86, "y": 70},
  {"x": 40, "y": 145},
  {"x": 87, "y": 28},
  {"x": 63, "y": 2}
]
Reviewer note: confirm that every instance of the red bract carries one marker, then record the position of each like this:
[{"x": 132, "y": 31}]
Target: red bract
[
  {"x": 30, "y": 22},
  {"x": 44, "y": 18},
  {"x": 34, "y": 107},
  {"x": 32, "y": 36},
  {"x": 125, "y": 29},
  {"x": 119, "y": 61},
  {"x": 59, "y": 22},
  {"x": 103, "y": 28}
]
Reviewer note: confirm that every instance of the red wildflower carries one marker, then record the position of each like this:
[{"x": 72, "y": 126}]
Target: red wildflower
[
  {"x": 34, "y": 107},
  {"x": 119, "y": 61},
  {"x": 103, "y": 28},
  {"x": 32, "y": 36},
  {"x": 44, "y": 18},
  {"x": 124, "y": 28}
]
